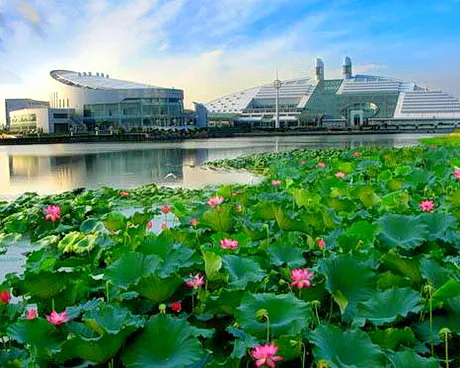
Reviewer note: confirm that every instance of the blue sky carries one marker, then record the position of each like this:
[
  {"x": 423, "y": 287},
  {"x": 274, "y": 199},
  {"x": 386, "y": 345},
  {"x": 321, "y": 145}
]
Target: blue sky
[{"x": 213, "y": 47}]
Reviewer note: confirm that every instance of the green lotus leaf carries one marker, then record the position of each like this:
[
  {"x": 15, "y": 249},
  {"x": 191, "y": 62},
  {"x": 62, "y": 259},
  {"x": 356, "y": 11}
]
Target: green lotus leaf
[
  {"x": 349, "y": 281},
  {"x": 366, "y": 194},
  {"x": 91, "y": 225},
  {"x": 287, "y": 314},
  {"x": 158, "y": 289},
  {"x": 394, "y": 200},
  {"x": 386, "y": 306},
  {"x": 403, "y": 231},
  {"x": 38, "y": 333},
  {"x": 43, "y": 285},
  {"x": 242, "y": 343},
  {"x": 114, "y": 221},
  {"x": 409, "y": 359},
  {"x": 284, "y": 253},
  {"x": 76, "y": 242},
  {"x": 438, "y": 225},
  {"x": 226, "y": 301},
  {"x": 129, "y": 269},
  {"x": 433, "y": 272},
  {"x": 333, "y": 345},
  {"x": 110, "y": 319},
  {"x": 305, "y": 198},
  {"x": 451, "y": 289},
  {"x": 218, "y": 219},
  {"x": 405, "y": 266},
  {"x": 359, "y": 234},
  {"x": 212, "y": 265},
  {"x": 166, "y": 342},
  {"x": 392, "y": 338},
  {"x": 242, "y": 270}
]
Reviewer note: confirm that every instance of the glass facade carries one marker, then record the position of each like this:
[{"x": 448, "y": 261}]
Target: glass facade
[{"x": 135, "y": 113}]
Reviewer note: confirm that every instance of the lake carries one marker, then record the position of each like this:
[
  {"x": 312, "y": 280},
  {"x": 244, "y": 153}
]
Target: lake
[{"x": 54, "y": 168}]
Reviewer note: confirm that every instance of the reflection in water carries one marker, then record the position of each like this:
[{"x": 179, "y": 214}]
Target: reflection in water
[{"x": 48, "y": 169}]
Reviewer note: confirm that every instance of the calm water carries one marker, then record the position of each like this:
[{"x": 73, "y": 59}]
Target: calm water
[{"x": 48, "y": 169}]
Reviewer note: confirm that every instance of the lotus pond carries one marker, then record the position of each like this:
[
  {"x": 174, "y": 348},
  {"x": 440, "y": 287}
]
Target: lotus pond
[{"x": 337, "y": 259}]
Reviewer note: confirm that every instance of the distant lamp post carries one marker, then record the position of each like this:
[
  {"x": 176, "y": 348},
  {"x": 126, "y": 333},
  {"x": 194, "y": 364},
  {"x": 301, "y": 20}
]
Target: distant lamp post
[{"x": 277, "y": 85}]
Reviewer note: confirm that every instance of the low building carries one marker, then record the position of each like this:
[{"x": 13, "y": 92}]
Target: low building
[
  {"x": 42, "y": 120},
  {"x": 12, "y": 104}
]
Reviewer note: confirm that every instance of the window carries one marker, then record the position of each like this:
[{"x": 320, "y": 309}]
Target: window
[{"x": 68, "y": 103}]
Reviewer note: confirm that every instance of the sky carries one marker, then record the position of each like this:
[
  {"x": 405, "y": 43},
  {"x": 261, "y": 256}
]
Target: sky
[{"x": 210, "y": 48}]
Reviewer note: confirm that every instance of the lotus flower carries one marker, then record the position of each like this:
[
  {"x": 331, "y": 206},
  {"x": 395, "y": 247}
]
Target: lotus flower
[
  {"x": 239, "y": 208},
  {"x": 321, "y": 165},
  {"x": 276, "y": 183},
  {"x": 165, "y": 209},
  {"x": 4, "y": 297},
  {"x": 164, "y": 226},
  {"x": 265, "y": 355},
  {"x": 303, "y": 162},
  {"x": 52, "y": 213},
  {"x": 356, "y": 154},
  {"x": 124, "y": 194},
  {"x": 58, "y": 318},
  {"x": 214, "y": 201},
  {"x": 176, "y": 307},
  {"x": 196, "y": 282},
  {"x": 426, "y": 206},
  {"x": 457, "y": 174},
  {"x": 301, "y": 278},
  {"x": 321, "y": 243},
  {"x": 340, "y": 175},
  {"x": 149, "y": 225},
  {"x": 228, "y": 244},
  {"x": 194, "y": 222},
  {"x": 32, "y": 313}
]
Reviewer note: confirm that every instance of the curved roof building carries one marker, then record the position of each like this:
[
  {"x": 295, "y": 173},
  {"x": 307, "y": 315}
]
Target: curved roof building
[
  {"x": 351, "y": 100},
  {"x": 99, "y": 100}
]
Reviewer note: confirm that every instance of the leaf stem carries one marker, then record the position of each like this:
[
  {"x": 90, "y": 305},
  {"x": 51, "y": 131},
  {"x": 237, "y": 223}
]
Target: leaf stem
[
  {"x": 431, "y": 320},
  {"x": 107, "y": 295},
  {"x": 446, "y": 346},
  {"x": 268, "y": 328}
]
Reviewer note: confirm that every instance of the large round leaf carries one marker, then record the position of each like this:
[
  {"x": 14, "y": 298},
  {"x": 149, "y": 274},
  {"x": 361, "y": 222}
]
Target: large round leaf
[
  {"x": 242, "y": 270},
  {"x": 438, "y": 225},
  {"x": 386, "y": 306},
  {"x": 287, "y": 314},
  {"x": 403, "y": 231},
  {"x": 166, "y": 342},
  {"x": 38, "y": 333},
  {"x": 286, "y": 253},
  {"x": 391, "y": 338},
  {"x": 351, "y": 348},
  {"x": 349, "y": 280},
  {"x": 409, "y": 359}
]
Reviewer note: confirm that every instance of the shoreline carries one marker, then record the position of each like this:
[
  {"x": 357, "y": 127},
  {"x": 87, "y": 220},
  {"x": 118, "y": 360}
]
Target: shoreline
[{"x": 225, "y": 133}]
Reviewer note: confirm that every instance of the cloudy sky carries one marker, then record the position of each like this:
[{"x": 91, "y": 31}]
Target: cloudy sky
[{"x": 213, "y": 47}]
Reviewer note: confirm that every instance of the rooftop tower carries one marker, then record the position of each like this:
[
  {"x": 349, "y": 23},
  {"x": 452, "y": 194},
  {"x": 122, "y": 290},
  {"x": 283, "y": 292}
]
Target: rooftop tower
[
  {"x": 346, "y": 68},
  {"x": 319, "y": 70}
]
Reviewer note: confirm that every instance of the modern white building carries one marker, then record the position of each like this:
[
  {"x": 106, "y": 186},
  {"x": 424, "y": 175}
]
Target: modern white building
[
  {"x": 353, "y": 100},
  {"x": 41, "y": 120}
]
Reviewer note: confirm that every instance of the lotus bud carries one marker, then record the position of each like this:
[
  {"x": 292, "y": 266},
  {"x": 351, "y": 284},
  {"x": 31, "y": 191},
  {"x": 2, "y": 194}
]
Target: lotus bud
[
  {"x": 445, "y": 331},
  {"x": 323, "y": 364},
  {"x": 262, "y": 314},
  {"x": 162, "y": 308}
]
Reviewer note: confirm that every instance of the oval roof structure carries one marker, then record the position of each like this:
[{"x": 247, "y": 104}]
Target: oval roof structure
[{"x": 95, "y": 81}]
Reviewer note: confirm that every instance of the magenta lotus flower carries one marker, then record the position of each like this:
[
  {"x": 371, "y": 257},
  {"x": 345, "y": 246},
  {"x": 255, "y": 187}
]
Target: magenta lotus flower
[
  {"x": 321, "y": 243},
  {"x": 4, "y": 297},
  {"x": 301, "y": 278},
  {"x": 340, "y": 175},
  {"x": 228, "y": 244},
  {"x": 457, "y": 174},
  {"x": 196, "y": 282},
  {"x": 215, "y": 201},
  {"x": 194, "y": 222},
  {"x": 265, "y": 355},
  {"x": 165, "y": 209},
  {"x": 321, "y": 165},
  {"x": 32, "y": 313},
  {"x": 52, "y": 213},
  {"x": 164, "y": 226},
  {"x": 58, "y": 319},
  {"x": 426, "y": 206},
  {"x": 276, "y": 183},
  {"x": 356, "y": 154},
  {"x": 124, "y": 194},
  {"x": 149, "y": 225}
]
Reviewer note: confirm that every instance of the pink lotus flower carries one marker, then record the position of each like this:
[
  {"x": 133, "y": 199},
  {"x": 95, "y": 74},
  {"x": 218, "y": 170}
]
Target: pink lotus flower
[
  {"x": 52, "y": 213},
  {"x": 321, "y": 165},
  {"x": 164, "y": 226},
  {"x": 340, "y": 175},
  {"x": 426, "y": 206},
  {"x": 58, "y": 318},
  {"x": 276, "y": 183},
  {"x": 356, "y": 154},
  {"x": 32, "y": 313},
  {"x": 124, "y": 194},
  {"x": 194, "y": 222},
  {"x": 265, "y": 355},
  {"x": 321, "y": 243},
  {"x": 4, "y": 297},
  {"x": 303, "y": 162},
  {"x": 301, "y": 278},
  {"x": 457, "y": 174},
  {"x": 215, "y": 201},
  {"x": 149, "y": 225},
  {"x": 196, "y": 282},
  {"x": 228, "y": 244},
  {"x": 165, "y": 209},
  {"x": 176, "y": 307},
  {"x": 239, "y": 208}
]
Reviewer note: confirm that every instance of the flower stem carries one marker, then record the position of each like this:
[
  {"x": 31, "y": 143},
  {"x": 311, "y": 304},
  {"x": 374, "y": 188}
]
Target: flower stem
[
  {"x": 268, "y": 329},
  {"x": 52, "y": 304},
  {"x": 304, "y": 354},
  {"x": 446, "y": 346},
  {"x": 431, "y": 320},
  {"x": 107, "y": 295}
]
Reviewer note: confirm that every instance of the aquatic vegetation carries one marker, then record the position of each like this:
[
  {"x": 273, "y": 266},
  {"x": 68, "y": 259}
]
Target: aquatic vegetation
[{"x": 358, "y": 270}]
